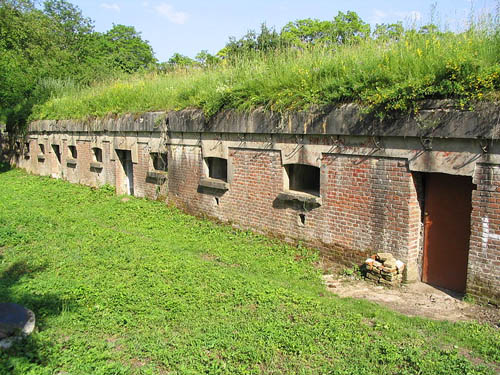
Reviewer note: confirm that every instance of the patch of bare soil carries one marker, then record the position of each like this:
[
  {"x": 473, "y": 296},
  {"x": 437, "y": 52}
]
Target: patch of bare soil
[{"x": 415, "y": 299}]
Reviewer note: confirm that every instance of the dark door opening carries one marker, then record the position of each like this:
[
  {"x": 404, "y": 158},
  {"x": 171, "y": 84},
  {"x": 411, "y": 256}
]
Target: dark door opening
[
  {"x": 448, "y": 206},
  {"x": 125, "y": 157}
]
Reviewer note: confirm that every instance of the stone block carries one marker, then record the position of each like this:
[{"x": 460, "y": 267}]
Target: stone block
[
  {"x": 382, "y": 257},
  {"x": 390, "y": 263},
  {"x": 372, "y": 276}
]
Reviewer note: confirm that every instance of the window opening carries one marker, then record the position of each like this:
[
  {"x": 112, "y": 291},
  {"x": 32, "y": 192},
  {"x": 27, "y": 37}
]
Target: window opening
[
  {"x": 57, "y": 151},
  {"x": 73, "y": 152},
  {"x": 302, "y": 219},
  {"x": 303, "y": 178},
  {"x": 217, "y": 168},
  {"x": 160, "y": 161},
  {"x": 42, "y": 148},
  {"x": 97, "y": 154}
]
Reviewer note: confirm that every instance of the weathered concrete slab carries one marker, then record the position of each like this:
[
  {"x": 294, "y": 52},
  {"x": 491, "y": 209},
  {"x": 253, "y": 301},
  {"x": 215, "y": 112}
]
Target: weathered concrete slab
[{"x": 437, "y": 119}]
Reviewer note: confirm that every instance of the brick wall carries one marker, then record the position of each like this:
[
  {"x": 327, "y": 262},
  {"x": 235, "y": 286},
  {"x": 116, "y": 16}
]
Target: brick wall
[
  {"x": 483, "y": 273},
  {"x": 184, "y": 172},
  {"x": 369, "y": 205}
]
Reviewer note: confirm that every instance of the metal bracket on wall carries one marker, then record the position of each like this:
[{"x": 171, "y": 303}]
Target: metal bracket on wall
[
  {"x": 242, "y": 138},
  {"x": 377, "y": 142},
  {"x": 336, "y": 142},
  {"x": 426, "y": 143},
  {"x": 219, "y": 142},
  {"x": 485, "y": 145}
]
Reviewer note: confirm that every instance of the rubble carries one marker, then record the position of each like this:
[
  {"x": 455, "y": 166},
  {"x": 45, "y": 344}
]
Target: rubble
[{"x": 384, "y": 269}]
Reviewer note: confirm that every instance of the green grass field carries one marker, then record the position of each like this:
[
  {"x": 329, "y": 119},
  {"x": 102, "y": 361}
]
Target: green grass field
[
  {"x": 383, "y": 76},
  {"x": 135, "y": 287}
]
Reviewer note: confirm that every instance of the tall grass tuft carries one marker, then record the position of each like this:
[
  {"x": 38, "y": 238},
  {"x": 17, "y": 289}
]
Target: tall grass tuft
[{"x": 384, "y": 76}]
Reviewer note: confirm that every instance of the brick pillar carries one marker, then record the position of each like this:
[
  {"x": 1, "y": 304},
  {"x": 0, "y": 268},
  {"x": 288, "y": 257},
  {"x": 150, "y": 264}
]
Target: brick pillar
[{"x": 483, "y": 272}]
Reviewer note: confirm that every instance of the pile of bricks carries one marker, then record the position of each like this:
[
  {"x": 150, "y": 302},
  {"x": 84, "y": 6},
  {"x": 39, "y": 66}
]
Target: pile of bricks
[{"x": 383, "y": 268}]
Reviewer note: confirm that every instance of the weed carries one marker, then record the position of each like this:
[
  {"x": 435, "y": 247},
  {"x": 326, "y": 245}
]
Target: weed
[
  {"x": 469, "y": 299},
  {"x": 383, "y": 76}
]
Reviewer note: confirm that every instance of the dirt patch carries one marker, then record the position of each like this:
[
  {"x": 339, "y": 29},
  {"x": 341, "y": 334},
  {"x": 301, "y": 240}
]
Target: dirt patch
[
  {"x": 215, "y": 259},
  {"x": 415, "y": 299}
]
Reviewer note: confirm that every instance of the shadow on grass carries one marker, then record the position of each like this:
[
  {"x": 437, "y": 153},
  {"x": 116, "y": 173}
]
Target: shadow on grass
[
  {"x": 4, "y": 167},
  {"x": 29, "y": 352}
]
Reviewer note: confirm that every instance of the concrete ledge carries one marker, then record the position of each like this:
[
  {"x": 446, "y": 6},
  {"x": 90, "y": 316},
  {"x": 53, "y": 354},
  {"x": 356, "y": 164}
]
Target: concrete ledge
[
  {"x": 71, "y": 162},
  {"x": 436, "y": 118},
  {"x": 96, "y": 165},
  {"x": 290, "y": 195},
  {"x": 213, "y": 183},
  {"x": 157, "y": 177}
]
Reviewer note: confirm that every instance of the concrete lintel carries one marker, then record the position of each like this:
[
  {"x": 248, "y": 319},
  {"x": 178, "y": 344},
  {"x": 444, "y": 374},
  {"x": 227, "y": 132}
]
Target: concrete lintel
[
  {"x": 290, "y": 195},
  {"x": 213, "y": 183}
]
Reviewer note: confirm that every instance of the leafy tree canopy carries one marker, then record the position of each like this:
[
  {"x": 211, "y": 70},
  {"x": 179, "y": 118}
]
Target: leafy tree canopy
[{"x": 54, "y": 47}]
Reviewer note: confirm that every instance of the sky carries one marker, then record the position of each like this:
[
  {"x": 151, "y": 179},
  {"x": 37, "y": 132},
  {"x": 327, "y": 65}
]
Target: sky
[{"x": 189, "y": 26}]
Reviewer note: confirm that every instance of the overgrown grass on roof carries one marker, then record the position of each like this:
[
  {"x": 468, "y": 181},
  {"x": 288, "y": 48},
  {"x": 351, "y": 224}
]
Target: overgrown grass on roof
[
  {"x": 135, "y": 287},
  {"x": 384, "y": 76}
]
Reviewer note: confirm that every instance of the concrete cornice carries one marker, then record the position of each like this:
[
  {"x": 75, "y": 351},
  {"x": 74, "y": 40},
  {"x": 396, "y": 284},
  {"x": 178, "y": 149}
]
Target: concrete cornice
[{"x": 438, "y": 119}]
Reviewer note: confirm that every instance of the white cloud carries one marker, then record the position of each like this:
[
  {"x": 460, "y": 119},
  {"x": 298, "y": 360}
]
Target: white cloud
[
  {"x": 114, "y": 7},
  {"x": 171, "y": 14},
  {"x": 379, "y": 16}
]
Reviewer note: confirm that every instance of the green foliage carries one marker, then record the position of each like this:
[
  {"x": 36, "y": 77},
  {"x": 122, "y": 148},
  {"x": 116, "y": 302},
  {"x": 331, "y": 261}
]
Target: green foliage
[
  {"x": 126, "y": 50},
  {"x": 345, "y": 28},
  {"x": 57, "y": 43},
  {"x": 390, "y": 73},
  {"x": 267, "y": 40},
  {"x": 54, "y": 65},
  {"x": 388, "y": 32},
  {"x": 205, "y": 59},
  {"x": 135, "y": 287},
  {"x": 180, "y": 61},
  {"x": 307, "y": 32}
]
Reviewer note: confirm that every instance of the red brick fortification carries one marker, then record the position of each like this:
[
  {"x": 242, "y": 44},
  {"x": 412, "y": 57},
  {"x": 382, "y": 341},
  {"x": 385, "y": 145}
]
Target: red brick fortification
[{"x": 334, "y": 181}]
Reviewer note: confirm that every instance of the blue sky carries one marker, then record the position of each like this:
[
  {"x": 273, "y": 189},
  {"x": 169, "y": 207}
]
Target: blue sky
[{"x": 190, "y": 26}]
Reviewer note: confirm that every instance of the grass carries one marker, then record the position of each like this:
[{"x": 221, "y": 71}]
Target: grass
[
  {"x": 135, "y": 287},
  {"x": 384, "y": 76}
]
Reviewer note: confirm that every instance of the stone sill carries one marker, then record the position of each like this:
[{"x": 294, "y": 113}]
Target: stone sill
[
  {"x": 290, "y": 195},
  {"x": 214, "y": 183},
  {"x": 41, "y": 157},
  {"x": 96, "y": 165},
  {"x": 71, "y": 162},
  {"x": 159, "y": 177}
]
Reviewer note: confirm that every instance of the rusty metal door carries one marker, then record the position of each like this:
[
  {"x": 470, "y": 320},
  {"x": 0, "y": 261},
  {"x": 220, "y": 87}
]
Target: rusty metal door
[{"x": 448, "y": 206}]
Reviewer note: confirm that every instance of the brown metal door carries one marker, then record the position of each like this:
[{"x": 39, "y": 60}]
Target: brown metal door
[{"x": 448, "y": 206}]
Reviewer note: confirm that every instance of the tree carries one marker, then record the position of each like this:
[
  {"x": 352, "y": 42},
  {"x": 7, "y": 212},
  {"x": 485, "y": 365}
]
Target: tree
[
  {"x": 349, "y": 28},
  {"x": 268, "y": 39},
  {"x": 43, "y": 51},
  {"x": 387, "y": 32},
  {"x": 128, "y": 51},
  {"x": 206, "y": 59},
  {"x": 302, "y": 33},
  {"x": 346, "y": 28},
  {"x": 180, "y": 61}
]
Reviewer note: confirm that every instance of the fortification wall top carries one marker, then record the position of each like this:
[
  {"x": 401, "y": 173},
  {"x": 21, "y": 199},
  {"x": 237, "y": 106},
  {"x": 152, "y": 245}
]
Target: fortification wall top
[{"x": 439, "y": 119}]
